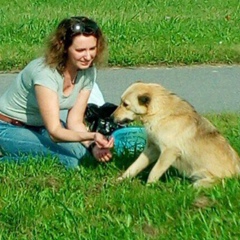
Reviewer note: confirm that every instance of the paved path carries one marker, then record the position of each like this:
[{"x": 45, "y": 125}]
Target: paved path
[{"x": 207, "y": 88}]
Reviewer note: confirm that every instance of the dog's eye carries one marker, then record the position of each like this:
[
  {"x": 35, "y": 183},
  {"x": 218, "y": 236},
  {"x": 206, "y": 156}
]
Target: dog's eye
[{"x": 124, "y": 104}]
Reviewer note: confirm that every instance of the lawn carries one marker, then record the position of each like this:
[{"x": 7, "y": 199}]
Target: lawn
[
  {"x": 41, "y": 200},
  {"x": 157, "y": 32}
]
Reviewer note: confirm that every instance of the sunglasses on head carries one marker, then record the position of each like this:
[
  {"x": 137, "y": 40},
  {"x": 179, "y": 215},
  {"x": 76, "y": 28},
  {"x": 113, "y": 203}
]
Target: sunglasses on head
[{"x": 84, "y": 27}]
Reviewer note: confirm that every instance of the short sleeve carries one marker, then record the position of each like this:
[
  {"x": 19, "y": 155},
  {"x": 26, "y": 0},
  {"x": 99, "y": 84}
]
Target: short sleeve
[
  {"x": 46, "y": 77},
  {"x": 89, "y": 78}
]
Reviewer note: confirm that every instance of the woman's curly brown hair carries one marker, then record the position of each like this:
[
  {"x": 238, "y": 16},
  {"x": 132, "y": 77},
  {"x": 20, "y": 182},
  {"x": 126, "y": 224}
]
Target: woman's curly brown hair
[{"x": 62, "y": 38}]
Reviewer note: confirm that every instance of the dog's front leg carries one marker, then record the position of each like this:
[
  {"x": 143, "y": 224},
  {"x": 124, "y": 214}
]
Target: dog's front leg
[
  {"x": 142, "y": 162},
  {"x": 166, "y": 159}
]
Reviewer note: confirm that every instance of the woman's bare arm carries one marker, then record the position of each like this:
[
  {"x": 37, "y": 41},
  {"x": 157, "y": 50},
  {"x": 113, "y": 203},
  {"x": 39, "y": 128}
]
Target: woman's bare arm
[{"x": 49, "y": 109}]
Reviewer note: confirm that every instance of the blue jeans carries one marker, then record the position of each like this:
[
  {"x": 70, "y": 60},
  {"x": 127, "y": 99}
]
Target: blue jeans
[{"x": 17, "y": 141}]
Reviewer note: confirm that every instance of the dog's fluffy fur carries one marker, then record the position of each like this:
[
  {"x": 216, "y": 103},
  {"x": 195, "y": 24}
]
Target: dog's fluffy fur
[{"x": 176, "y": 136}]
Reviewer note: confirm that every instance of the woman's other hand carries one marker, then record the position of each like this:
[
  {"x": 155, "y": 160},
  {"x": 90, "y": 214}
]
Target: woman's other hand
[
  {"x": 103, "y": 142},
  {"x": 103, "y": 154}
]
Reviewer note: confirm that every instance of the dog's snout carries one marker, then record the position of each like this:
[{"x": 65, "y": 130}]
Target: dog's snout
[{"x": 123, "y": 121}]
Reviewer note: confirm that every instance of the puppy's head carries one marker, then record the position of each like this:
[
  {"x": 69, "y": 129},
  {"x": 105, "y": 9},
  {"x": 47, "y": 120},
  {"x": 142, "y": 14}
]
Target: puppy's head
[{"x": 135, "y": 102}]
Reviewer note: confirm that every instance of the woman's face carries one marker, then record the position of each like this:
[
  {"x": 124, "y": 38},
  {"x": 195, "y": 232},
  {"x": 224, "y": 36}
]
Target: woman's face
[{"x": 82, "y": 52}]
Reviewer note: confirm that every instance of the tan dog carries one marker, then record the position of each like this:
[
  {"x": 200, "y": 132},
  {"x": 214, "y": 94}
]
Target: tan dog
[{"x": 187, "y": 141}]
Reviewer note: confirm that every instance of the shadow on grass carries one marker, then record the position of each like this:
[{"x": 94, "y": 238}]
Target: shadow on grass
[{"x": 121, "y": 162}]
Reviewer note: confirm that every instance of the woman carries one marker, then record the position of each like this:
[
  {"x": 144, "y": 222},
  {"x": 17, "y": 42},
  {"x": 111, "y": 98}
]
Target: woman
[{"x": 62, "y": 79}]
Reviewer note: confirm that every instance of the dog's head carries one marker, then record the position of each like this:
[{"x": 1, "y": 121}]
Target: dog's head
[
  {"x": 136, "y": 103},
  {"x": 149, "y": 101}
]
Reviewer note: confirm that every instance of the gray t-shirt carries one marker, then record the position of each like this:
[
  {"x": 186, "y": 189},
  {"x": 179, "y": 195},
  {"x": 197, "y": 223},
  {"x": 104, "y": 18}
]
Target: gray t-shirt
[{"x": 19, "y": 101}]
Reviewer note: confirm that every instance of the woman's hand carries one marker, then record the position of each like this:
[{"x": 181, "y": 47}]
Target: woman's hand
[
  {"x": 102, "y": 142},
  {"x": 103, "y": 154}
]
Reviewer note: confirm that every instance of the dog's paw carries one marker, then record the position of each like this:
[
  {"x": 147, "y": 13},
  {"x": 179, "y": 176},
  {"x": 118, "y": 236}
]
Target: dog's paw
[
  {"x": 204, "y": 183},
  {"x": 151, "y": 184},
  {"x": 119, "y": 179}
]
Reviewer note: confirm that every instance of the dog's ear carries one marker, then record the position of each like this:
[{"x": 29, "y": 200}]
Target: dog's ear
[{"x": 144, "y": 99}]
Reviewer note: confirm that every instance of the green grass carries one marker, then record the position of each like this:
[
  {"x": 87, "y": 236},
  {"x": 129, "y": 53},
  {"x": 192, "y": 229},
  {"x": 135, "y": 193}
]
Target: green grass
[
  {"x": 42, "y": 200},
  {"x": 138, "y": 32}
]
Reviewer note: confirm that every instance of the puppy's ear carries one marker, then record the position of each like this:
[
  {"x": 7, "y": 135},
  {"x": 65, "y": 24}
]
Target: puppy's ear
[{"x": 144, "y": 99}]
